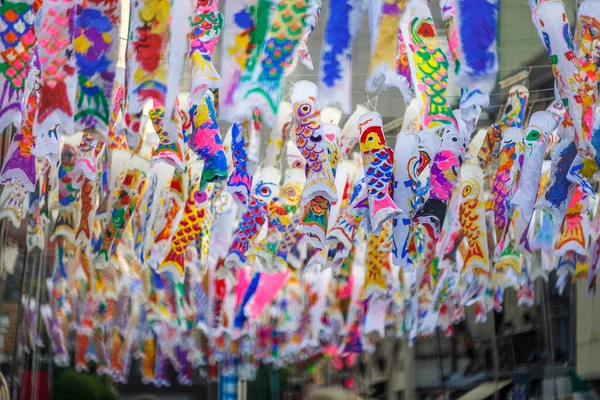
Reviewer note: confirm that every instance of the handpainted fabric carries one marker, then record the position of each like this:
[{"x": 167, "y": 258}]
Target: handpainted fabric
[
  {"x": 266, "y": 187},
  {"x": 405, "y": 185},
  {"x": 350, "y": 132},
  {"x": 13, "y": 202},
  {"x": 189, "y": 228},
  {"x": 556, "y": 199},
  {"x": 552, "y": 24},
  {"x": 444, "y": 170},
  {"x": 504, "y": 183},
  {"x": 428, "y": 65},
  {"x": 167, "y": 151},
  {"x": 315, "y": 220},
  {"x": 344, "y": 21},
  {"x": 20, "y": 161},
  {"x": 16, "y": 49},
  {"x": 575, "y": 232},
  {"x": 207, "y": 24},
  {"x": 379, "y": 167},
  {"x": 474, "y": 45},
  {"x": 96, "y": 45},
  {"x": 382, "y": 68},
  {"x": 513, "y": 116},
  {"x": 309, "y": 138},
  {"x": 279, "y": 134},
  {"x": 377, "y": 267},
  {"x": 86, "y": 162},
  {"x": 206, "y": 141},
  {"x": 57, "y": 93},
  {"x": 126, "y": 198},
  {"x": 472, "y": 221},
  {"x": 68, "y": 198},
  {"x": 587, "y": 42},
  {"x": 312, "y": 18},
  {"x": 147, "y": 56},
  {"x": 541, "y": 125},
  {"x": 238, "y": 24},
  {"x": 239, "y": 183},
  {"x": 263, "y": 88}
]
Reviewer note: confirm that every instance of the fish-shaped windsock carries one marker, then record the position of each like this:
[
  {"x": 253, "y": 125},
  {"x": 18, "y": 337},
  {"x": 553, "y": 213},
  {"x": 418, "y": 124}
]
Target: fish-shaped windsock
[
  {"x": 444, "y": 171},
  {"x": 379, "y": 167},
  {"x": 266, "y": 188},
  {"x": 188, "y": 230},
  {"x": 512, "y": 117},
  {"x": 537, "y": 134},
  {"x": 405, "y": 186},
  {"x": 472, "y": 220},
  {"x": 310, "y": 140},
  {"x": 503, "y": 185}
]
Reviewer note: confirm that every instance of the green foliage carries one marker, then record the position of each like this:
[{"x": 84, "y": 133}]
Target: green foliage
[{"x": 72, "y": 385}]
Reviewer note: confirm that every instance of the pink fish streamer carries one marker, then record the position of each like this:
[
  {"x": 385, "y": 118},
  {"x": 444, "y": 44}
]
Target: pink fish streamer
[{"x": 54, "y": 115}]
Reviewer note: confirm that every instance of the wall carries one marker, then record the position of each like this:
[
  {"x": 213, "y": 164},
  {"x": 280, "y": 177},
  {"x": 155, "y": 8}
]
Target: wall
[{"x": 588, "y": 332}]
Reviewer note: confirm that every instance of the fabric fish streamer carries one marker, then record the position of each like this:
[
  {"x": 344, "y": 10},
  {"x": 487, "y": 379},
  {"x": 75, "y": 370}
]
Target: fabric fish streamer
[
  {"x": 350, "y": 133},
  {"x": 66, "y": 221},
  {"x": 86, "y": 163},
  {"x": 552, "y": 23},
  {"x": 239, "y": 183},
  {"x": 382, "y": 68},
  {"x": 126, "y": 200},
  {"x": 377, "y": 266},
  {"x": 96, "y": 45},
  {"x": 541, "y": 125},
  {"x": 379, "y": 167},
  {"x": 20, "y": 161},
  {"x": 344, "y": 21},
  {"x": 472, "y": 221},
  {"x": 147, "y": 52},
  {"x": 302, "y": 54},
  {"x": 279, "y": 134},
  {"x": 188, "y": 230},
  {"x": 503, "y": 187},
  {"x": 236, "y": 35},
  {"x": 445, "y": 168},
  {"x": 168, "y": 151},
  {"x": 264, "y": 88},
  {"x": 513, "y": 116},
  {"x": 18, "y": 39},
  {"x": 206, "y": 141},
  {"x": 428, "y": 65},
  {"x": 57, "y": 94},
  {"x": 316, "y": 217},
  {"x": 405, "y": 185},
  {"x": 574, "y": 235},
  {"x": 207, "y": 24},
  {"x": 309, "y": 138},
  {"x": 473, "y": 48},
  {"x": 12, "y": 202},
  {"x": 556, "y": 199},
  {"x": 266, "y": 188}
]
